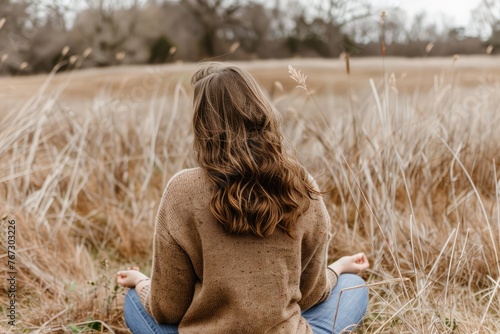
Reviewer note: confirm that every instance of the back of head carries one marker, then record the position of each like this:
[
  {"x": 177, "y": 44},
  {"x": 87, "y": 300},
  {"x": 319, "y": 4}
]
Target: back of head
[{"x": 258, "y": 187}]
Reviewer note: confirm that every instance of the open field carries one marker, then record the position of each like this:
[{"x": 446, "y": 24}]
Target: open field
[
  {"x": 409, "y": 150},
  {"x": 325, "y": 75}
]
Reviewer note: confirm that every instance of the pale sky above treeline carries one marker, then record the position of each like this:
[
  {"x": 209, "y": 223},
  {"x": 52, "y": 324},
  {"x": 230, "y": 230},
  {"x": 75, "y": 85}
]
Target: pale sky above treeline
[
  {"x": 454, "y": 12},
  {"x": 458, "y": 11}
]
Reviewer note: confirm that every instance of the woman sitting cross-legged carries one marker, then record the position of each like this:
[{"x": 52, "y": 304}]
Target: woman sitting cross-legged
[{"x": 240, "y": 243}]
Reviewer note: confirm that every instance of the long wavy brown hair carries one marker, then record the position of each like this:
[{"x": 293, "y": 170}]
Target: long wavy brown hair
[{"x": 257, "y": 185}]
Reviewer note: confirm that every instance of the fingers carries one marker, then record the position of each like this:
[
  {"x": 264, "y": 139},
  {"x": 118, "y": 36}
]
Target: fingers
[
  {"x": 360, "y": 258},
  {"x": 124, "y": 272},
  {"x": 361, "y": 262},
  {"x": 123, "y": 276},
  {"x": 133, "y": 268}
]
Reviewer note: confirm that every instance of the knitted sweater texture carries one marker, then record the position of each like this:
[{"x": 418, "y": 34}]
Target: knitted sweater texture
[{"x": 208, "y": 281}]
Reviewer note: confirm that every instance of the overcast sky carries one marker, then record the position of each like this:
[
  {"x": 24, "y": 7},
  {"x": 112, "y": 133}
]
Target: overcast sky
[
  {"x": 458, "y": 11},
  {"x": 454, "y": 12}
]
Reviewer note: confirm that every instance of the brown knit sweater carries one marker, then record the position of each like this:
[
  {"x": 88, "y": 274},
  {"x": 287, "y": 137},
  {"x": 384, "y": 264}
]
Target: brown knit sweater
[{"x": 210, "y": 282}]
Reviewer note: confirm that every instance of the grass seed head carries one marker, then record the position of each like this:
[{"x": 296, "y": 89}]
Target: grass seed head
[
  {"x": 489, "y": 49},
  {"x": 65, "y": 51},
  {"x": 279, "y": 86},
  {"x": 429, "y": 47},
  {"x": 234, "y": 47},
  {"x": 392, "y": 82},
  {"x": 298, "y": 77},
  {"x": 87, "y": 52},
  {"x": 120, "y": 55}
]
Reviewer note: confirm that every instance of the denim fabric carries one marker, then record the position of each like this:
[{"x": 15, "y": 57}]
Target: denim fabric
[
  {"x": 352, "y": 307},
  {"x": 139, "y": 321},
  {"x": 322, "y": 317}
]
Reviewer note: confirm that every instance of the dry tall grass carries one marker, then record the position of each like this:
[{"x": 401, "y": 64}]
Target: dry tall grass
[{"x": 413, "y": 176}]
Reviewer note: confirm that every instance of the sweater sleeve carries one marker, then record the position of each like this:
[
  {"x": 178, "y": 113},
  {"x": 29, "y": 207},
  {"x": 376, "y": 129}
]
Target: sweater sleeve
[
  {"x": 172, "y": 282},
  {"x": 144, "y": 295},
  {"x": 172, "y": 275},
  {"x": 332, "y": 278},
  {"x": 316, "y": 281}
]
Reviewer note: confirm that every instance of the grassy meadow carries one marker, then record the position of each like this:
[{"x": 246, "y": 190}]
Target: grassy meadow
[{"x": 407, "y": 150}]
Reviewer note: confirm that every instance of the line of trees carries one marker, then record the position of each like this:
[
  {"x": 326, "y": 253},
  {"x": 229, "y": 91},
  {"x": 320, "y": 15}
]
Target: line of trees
[{"x": 111, "y": 32}]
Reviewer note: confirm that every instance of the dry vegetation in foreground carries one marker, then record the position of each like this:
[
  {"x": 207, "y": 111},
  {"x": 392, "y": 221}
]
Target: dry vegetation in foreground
[{"x": 414, "y": 178}]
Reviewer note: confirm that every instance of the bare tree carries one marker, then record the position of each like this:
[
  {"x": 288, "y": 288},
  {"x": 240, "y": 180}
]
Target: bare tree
[
  {"x": 487, "y": 20},
  {"x": 420, "y": 31},
  {"x": 321, "y": 25},
  {"x": 16, "y": 34},
  {"x": 214, "y": 16},
  {"x": 250, "y": 26},
  {"x": 107, "y": 27}
]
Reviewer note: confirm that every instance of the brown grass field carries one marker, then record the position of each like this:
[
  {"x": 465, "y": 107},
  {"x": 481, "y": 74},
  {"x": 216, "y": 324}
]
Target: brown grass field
[{"x": 409, "y": 150}]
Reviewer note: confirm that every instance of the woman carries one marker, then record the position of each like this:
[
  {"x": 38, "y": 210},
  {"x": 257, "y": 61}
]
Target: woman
[{"x": 240, "y": 243}]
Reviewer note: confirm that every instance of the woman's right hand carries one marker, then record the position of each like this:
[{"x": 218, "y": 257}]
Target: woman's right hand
[
  {"x": 130, "y": 277},
  {"x": 354, "y": 264}
]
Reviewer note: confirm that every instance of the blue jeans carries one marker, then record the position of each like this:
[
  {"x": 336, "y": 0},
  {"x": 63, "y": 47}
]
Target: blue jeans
[{"x": 322, "y": 317}]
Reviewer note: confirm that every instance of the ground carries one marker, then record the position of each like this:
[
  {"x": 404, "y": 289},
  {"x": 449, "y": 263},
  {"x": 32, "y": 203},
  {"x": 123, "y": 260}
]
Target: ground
[{"x": 406, "y": 150}]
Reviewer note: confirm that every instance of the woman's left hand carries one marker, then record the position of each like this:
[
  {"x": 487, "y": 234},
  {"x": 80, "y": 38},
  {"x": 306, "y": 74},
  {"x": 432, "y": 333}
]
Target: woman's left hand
[
  {"x": 130, "y": 277},
  {"x": 354, "y": 264}
]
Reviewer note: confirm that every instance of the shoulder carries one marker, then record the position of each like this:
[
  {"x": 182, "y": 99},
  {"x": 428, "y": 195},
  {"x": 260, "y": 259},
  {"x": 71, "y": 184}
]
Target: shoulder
[
  {"x": 187, "y": 176},
  {"x": 312, "y": 181},
  {"x": 187, "y": 181},
  {"x": 184, "y": 188},
  {"x": 317, "y": 214}
]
